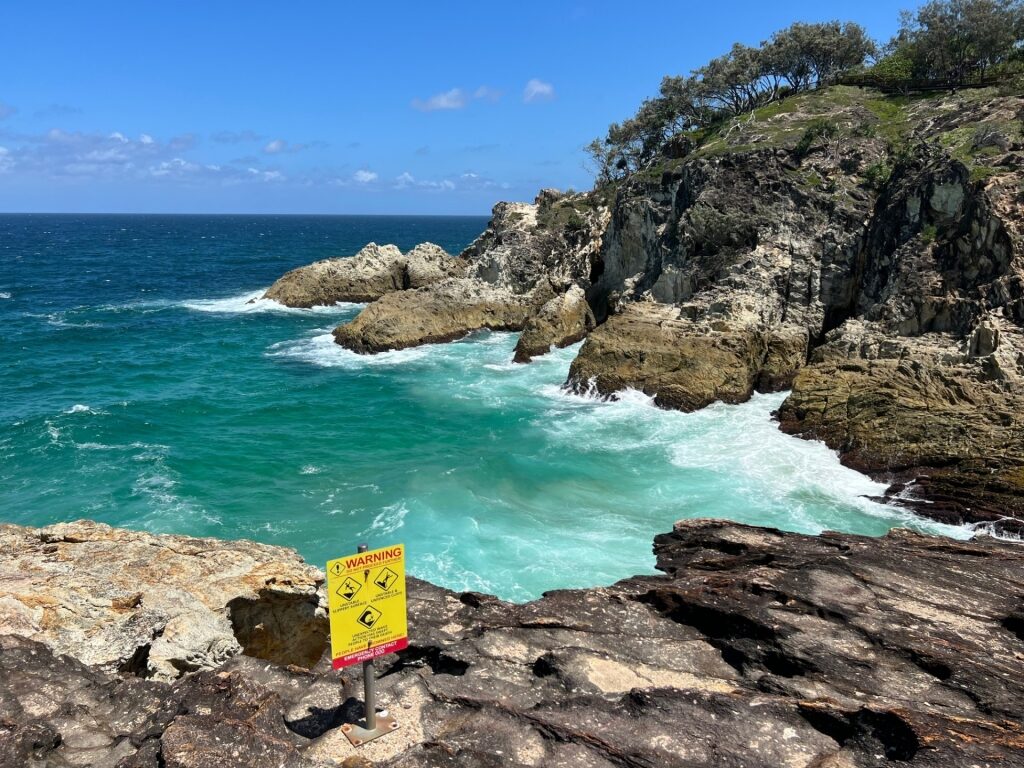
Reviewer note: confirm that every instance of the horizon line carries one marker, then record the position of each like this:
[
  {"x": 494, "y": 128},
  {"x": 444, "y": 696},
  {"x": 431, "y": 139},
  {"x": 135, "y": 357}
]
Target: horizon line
[{"x": 235, "y": 213}]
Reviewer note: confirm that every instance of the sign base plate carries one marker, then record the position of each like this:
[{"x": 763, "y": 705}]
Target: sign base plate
[{"x": 358, "y": 735}]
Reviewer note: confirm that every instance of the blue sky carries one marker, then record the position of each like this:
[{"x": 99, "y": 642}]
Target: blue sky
[{"x": 339, "y": 107}]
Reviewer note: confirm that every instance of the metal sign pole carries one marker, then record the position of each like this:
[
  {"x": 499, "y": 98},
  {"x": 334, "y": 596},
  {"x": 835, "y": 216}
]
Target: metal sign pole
[{"x": 369, "y": 681}]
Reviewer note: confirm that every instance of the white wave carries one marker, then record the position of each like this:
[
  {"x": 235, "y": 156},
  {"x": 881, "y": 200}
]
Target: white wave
[
  {"x": 388, "y": 520},
  {"x": 310, "y": 469},
  {"x": 79, "y": 408},
  {"x": 5, "y": 294},
  {"x": 322, "y": 351},
  {"x": 59, "y": 320},
  {"x": 990, "y": 528},
  {"x": 253, "y": 302}
]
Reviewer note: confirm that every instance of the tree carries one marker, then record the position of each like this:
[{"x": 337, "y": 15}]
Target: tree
[{"x": 951, "y": 39}]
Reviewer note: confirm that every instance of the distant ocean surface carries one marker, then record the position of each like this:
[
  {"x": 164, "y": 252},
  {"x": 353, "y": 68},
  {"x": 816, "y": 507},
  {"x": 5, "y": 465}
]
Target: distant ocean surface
[{"x": 139, "y": 388}]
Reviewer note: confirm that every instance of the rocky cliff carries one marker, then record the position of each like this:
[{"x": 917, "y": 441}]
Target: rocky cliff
[
  {"x": 864, "y": 251},
  {"x": 754, "y": 648}
]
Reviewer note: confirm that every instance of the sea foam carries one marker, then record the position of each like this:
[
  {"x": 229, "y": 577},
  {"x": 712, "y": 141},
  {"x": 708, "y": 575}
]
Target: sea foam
[{"x": 253, "y": 302}]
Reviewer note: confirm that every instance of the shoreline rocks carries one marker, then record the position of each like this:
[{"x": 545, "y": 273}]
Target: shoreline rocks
[
  {"x": 375, "y": 271},
  {"x": 684, "y": 366},
  {"x": 754, "y": 647},
  {"x": 884, "y": 287},
  {"x": 561, "y": 321},
  {"x": 443, "y": 312},
  {"x": 157, "y": 606}
]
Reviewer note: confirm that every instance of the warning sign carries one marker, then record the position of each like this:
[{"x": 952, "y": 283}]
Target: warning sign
[{"x": 366, "y": 599}]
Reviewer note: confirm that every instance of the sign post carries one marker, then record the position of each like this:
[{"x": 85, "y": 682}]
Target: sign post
[{"x": 366, "y": 601}]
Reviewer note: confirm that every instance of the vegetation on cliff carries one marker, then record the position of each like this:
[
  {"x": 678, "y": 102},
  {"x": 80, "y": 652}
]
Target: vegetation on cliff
[{"x": 944, "y": 43}]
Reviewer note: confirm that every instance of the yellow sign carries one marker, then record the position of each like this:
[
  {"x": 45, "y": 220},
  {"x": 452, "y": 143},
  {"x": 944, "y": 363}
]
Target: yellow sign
[{"x": 366, "y": 599}]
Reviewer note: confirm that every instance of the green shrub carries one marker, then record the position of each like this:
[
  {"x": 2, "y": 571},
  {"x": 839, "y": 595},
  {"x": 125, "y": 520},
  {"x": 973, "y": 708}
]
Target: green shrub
[
  {"x": 818, "y": 128},
  {"x": 877, "y": 175}
]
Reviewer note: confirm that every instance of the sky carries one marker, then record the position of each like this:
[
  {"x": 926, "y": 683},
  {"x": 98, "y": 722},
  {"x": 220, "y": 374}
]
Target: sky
[{"x": 340, "y": 107}]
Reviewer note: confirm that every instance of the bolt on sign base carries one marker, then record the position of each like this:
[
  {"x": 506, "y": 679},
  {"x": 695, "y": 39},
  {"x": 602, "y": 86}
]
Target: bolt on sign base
[{"x": 359, "y": 735}]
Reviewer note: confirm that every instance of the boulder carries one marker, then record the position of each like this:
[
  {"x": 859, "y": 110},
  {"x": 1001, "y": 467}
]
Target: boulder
[
  {"x": 682, "y": 364},
  {"x": 373, "y": 272},
  {"x": 441, "y": 312},
  {"x": 158, "y": 606},
  {"x": 562, "y": 321}
]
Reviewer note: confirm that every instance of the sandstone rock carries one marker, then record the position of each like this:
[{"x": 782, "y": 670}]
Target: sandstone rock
[
  {"x": 683, "y": 364},
  {"x": 442, "y": 312},
  {"x": 373, "y": 272},
  {"x": 157, "y": 606},
  {"x": 562, "y": 321},
  {"x": 927, "y": 411},
  {"x": 920, "y": 380},
  {"x": 756, "y": 648}
]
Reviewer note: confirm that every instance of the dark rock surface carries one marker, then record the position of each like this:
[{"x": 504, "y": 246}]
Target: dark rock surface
[{"x": 755, "y": 648}]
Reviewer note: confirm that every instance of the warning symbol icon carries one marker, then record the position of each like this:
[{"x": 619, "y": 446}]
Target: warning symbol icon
[
  {"x": 337, "y": 569},
  {"x": 385, "y": 578},
  {"x": 348, "y": 588},
  {"x": 369, "y": 617}
]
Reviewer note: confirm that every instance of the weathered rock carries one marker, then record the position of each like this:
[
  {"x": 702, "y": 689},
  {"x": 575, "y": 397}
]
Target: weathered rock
[
  {"x": 684, "y": 365},
  {"x": 373, "y": 272},
  {"x": 755, "y": 648},
  {"x": 553, "y": 241},
  {"x": 760, "y": 260},
  {"x": 926, "y": 386},
  {"x": 562, "y": 321},
  {"x": 157, "y": 606},
  {"x": 442, "y": 312},
  {"x": 527, "y": 255}
]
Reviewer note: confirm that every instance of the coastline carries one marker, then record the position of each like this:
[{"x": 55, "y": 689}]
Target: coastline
[{"x": 846, "y": 646}]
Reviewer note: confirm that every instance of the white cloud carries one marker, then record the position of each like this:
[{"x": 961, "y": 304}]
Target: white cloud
[
  {"x": 275, "y": 146},
  {"x": 453, "y": 99},
  {"x": 6, "y": 162},
  {"x": 408, "y": 181},
  {"x": 118, "y": 136},
  {"x": 538, "y": 90},
  {"x": 265, "y": 175},
  {"x": 364, "y": 177},
  {"x": 487, "y": 93},
  {"x": 145, "y": 139},
  {"x": 174, "y": 167}
]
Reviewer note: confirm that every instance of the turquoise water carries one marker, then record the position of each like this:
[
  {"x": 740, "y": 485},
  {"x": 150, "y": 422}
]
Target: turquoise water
[{"x": 138, "y": 387}]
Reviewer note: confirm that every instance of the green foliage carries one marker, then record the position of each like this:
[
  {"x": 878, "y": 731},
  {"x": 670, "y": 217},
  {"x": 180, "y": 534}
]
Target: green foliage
[
  {"x": 877, "y": 175},
  {"x": 894, "y": 69},
  {"x": 945, "y": 42},
  {"x": 928, "y": 234},
  {"x": 745, "y": 79},
  {"x": 955, "y": 41},
  {"x": 818, "y": 128}
]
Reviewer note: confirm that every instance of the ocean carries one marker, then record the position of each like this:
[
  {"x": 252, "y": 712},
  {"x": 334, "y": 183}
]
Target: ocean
[{"x": 139, "y": 387}]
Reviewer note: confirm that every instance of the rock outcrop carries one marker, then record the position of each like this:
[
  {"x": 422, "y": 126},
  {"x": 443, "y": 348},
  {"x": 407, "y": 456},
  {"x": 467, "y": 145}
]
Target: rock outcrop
[
  {"x": 756, "y": 648},
  {"x": 885, "y": 288},
  {"x": 561, "y": 321},
  {"x": 375, "y": 271},
  {"x": 157, "y": 606},
  {"x": 649, "y": 347},
  {"x": 443, "y": 312},
  {"x": 529, "y": 255},
  {"x": 865, "y": 251}
]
